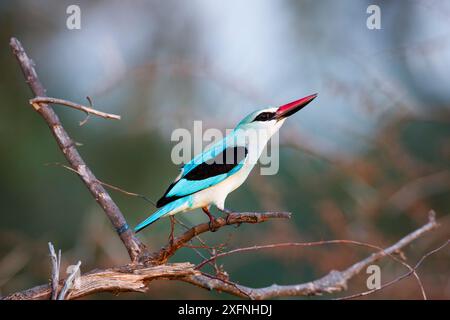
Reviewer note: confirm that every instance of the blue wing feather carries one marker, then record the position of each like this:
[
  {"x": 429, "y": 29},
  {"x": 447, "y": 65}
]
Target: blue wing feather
[
  {"x": 180, "y": 191},
  {"x": 194, "y": 175},
  {"x": 161, "y": 212},
  {"x": 208, "y": 154},
  {"x": 184, "y": 187}
]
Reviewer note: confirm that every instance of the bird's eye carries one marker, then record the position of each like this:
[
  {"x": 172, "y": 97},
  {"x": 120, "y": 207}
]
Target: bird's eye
[{"x": 264, "y": 116}]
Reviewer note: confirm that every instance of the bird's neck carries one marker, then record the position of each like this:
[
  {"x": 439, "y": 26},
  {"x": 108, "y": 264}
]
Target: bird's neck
[{"x": 257, "y": 139}]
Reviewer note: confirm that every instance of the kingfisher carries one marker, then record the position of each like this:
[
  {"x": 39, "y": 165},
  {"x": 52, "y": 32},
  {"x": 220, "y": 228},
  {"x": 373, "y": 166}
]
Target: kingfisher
[{"x": 211, "y": 175}]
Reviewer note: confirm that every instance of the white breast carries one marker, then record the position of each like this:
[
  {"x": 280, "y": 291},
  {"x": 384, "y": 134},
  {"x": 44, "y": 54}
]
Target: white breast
[{"x": 217, "y": 194}]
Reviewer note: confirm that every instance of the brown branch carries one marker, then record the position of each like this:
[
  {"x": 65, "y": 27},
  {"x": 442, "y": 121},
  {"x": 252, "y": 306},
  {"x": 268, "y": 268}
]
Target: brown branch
[
  {"x": 403, "y": 276},
  {"x": 38, "y": 101},
  {"x": 312, "y": 244},
  {"x": 136, "y": 277},
  {"x": 136, "y": 250},
  {"x": 129, "y": 278},
  {"x": 234, "y": 218},
  {"x": 69, "y": 282},
  {"x": 297, "y": 244},
  {"x": 56, "y": 266},
  {"x": 334, "y": 281}
]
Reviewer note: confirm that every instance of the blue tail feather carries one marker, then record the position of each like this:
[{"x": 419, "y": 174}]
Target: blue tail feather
[{"x": 160, "y": 213}]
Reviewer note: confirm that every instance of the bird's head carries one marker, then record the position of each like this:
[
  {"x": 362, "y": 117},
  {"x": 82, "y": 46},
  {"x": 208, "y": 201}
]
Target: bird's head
[{"x": 271, "y": 119}]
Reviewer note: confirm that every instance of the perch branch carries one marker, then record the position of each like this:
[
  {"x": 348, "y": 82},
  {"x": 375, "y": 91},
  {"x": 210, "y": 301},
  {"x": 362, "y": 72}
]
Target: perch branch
[
  {"x": 405, "y": 275},
  {"x": 234, "y": 218},
  {"x": 36, "y": 103},
  {"x": 136, "y": 250}
]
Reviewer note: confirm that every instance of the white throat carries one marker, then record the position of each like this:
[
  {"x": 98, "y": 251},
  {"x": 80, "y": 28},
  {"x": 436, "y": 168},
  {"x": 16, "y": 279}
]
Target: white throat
[{"x": 257, "y": 136}]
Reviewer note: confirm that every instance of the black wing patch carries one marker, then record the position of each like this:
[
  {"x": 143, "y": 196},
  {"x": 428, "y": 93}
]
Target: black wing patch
[
  {"x": 224, "y": 162},
  {"x": 165, "y": 200}
]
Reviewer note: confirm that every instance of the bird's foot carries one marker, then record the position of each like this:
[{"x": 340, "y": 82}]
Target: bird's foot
[
  {"x": 172, "y": 228},
  {"x": 227, "y": 218},
  {"x": 212, "y": 228},
  {"x": 212, "y": 220}
]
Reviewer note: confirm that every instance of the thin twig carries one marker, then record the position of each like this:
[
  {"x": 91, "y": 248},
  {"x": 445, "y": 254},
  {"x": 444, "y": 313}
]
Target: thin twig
[
  {"x": 38, "y": 101},
  {"x": 212, "y": 250},
  {"x": 128, "y": 278},
  {"x": 334, "y": 281},
  {"x": 405, "y": 275},
  {"x": 56, "y": 266},
  {"x": 290, "y": 244},
  {"x": 68, "y": 284},
  {"x": 88, "y": 115},
  {"x": 128, "y": 193}
]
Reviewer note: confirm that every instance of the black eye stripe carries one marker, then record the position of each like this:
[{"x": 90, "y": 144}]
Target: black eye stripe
[{"x": 265, "y": 116}]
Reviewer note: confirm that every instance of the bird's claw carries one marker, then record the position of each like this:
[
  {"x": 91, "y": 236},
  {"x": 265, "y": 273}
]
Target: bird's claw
[
  {"x": 172, "y": 229},
  {"x": 227, "y": 218},
  {"x": 171, "y": 239},
  {"x": 212, "y": 228}
]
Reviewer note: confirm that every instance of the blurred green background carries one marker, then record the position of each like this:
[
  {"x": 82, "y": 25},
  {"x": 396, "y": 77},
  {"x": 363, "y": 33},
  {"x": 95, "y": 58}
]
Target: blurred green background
[{"x": 366, "y": 161}]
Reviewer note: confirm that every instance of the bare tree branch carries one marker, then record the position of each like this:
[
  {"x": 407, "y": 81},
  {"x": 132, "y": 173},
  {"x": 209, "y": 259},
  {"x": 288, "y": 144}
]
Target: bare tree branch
[
  {"x": 442, "y": 246},
  {"x": 235, "y": 218},
  {"x": 56, "y": 266},
  {"x": 136, "y": 250},
  {"x": 334, "y": 281},
  {"x": 36, "y": 103},
  {"x": 136, "y": 277},
  {"x": 120, "y": 279},
  {"x": 110, "y": 186},
  {"x": 68, "y": 284}
]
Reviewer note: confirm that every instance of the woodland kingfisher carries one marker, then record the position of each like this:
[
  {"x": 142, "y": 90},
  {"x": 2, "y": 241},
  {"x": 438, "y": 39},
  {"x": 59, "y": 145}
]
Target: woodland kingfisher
[{"x": 210, "y": 176}]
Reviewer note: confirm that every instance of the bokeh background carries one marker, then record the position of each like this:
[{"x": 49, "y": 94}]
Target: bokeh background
[{"x": 366, "y": 161}]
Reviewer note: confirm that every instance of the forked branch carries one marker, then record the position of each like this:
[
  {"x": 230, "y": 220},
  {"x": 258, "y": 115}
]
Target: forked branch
[
  {"x": 129, "y": 278},
  {"x": 234, "y": 218},
  {"x": 38, "y": 101},
  {"x": 334, "y": 281}
]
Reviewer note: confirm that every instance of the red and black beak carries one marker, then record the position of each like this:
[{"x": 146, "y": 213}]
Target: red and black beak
[{"x": 292, "y": 107}]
